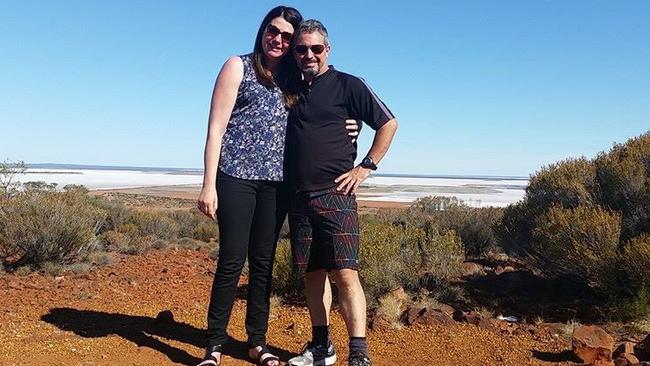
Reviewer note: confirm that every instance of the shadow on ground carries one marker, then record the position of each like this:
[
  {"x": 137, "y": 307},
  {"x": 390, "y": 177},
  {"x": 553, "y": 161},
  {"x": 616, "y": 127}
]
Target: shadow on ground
[
  {"x": 525, "y": 295},
  {"x": 141, "y": 331},
  {"x": 564, "y": 356}
]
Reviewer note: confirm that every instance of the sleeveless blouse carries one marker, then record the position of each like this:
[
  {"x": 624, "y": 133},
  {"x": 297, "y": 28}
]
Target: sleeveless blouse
[{"x": 253, "y": 144}]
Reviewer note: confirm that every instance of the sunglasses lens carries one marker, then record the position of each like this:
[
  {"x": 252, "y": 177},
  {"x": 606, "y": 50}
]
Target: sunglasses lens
[
  {"x": 272, "y": 31},
  {"x": 316, "y": 49}
]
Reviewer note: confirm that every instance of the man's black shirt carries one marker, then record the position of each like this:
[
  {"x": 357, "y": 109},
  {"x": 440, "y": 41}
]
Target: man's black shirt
[{"x": 318, "y": 145}]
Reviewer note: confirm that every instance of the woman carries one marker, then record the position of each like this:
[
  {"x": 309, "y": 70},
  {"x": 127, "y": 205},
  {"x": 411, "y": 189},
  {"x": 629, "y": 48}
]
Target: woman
[{"x": 247, "y": 125}]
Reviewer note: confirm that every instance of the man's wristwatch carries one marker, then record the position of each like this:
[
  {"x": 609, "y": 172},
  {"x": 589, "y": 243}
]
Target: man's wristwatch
[{"x": 368, "y": 163}]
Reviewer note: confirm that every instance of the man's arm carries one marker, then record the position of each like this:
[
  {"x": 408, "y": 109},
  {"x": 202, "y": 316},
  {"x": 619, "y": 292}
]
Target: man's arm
[{"x": 350, "y": 181}]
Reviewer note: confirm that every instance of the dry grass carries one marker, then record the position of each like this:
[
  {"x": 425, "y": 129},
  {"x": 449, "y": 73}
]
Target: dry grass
[
  {"x": 568, "y": 328},
  {"x": 390, "y": 308},
  {"x": 101, "y": 258}
]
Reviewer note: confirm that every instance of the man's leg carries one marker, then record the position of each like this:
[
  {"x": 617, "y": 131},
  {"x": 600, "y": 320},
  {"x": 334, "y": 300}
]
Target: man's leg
[
  {"x": 318, "y": 294},
  {"x": 352, "y": 301},
  {"x": 340, "y": 224}
]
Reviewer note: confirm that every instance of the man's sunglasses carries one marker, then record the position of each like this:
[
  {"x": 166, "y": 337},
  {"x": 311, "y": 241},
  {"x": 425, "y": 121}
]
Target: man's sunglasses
[
  {"x": 317, "y": 49},
  {"x": 273, "y": 31}
]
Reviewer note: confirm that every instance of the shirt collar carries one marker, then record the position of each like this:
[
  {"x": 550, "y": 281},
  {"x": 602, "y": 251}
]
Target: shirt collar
[{"x": 330, "y": 69}]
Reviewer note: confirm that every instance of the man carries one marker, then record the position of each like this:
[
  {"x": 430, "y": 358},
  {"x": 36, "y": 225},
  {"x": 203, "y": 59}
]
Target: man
[{"x": 323, "y": 215}]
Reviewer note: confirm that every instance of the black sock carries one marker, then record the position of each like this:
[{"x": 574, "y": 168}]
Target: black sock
[
  {"x": 359, "y": 344},
  {"x": 320, "y": 334}
]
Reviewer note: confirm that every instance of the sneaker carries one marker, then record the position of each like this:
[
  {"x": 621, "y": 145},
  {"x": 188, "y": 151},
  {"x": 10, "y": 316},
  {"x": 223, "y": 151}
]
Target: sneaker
[
  {"x": 315, "y": 355},
  {"x": 358, "y": 359}
]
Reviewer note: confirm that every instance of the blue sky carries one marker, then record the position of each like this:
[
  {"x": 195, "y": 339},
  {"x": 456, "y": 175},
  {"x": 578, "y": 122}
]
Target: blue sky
[{"x": 479, "y": 87}]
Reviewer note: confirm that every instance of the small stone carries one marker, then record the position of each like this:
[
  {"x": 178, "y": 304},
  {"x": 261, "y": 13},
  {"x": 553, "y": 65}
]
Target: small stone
[
  {"x": 591, "y": 343},
  {"x": 625, "y": 347},
  {"x": 626, "y": 359},
  {"x": 435, "y": 317},
  {"x": 412, "y": 314},
  {"x": 447, "y": 309}
]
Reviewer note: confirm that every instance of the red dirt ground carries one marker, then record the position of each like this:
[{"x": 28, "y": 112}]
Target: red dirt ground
[{"x": 108, "y": 317}]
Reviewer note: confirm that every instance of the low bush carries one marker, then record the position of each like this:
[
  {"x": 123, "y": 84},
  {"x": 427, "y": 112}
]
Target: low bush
[
  {"x": 37, "y": 227},
  {"x": 116, "y": 213},
  {"x": 286, "y": 282},
  {"x": 407, "y": 256},
  {"x": 206, "y": 231},
  {"x": 578, "y": 243},
  {"x": 624, "y": 178},
  {"x": 155, "y": 224},
  {"x": 187, "y": 220},
  {"x": 100, "y": 258},
  {"x": 477, "y": 227}
]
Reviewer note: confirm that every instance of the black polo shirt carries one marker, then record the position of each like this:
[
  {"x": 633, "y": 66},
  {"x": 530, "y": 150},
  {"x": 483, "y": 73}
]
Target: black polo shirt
[{"x": 318, "y": 145}]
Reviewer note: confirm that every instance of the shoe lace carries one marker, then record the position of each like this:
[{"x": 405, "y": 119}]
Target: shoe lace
[
  {"x": 307, "y": 347},
  {"x": 359, "y": 359}
]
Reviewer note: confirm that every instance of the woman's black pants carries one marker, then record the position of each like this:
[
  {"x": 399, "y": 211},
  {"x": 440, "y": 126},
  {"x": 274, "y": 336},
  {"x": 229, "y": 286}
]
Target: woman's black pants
[{"x": 250, "y": 215}]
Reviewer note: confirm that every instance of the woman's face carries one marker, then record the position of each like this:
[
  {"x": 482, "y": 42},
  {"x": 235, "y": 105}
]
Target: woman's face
[{"x": 276, "y": 41}]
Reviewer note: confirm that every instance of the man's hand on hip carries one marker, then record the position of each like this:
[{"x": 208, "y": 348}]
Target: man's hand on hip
[{"x": 350, "y": 181}]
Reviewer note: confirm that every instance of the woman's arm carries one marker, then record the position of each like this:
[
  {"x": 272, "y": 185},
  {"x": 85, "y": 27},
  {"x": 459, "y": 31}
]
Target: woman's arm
[{"x": 223, "y": 101}]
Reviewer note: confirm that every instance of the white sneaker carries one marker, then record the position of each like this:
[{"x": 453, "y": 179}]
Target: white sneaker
[{"x": 315, "y": 355}]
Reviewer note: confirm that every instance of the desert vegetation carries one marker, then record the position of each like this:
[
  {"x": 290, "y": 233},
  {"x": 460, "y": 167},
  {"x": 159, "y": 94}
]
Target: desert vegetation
[
  {"x": 587, "y": 221},
  {"x": 51, "y": 230},
  {"x": 582, "y": 221}
]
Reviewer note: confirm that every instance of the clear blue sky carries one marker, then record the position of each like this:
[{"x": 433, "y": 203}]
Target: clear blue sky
[{"x": 479, "y": 87}]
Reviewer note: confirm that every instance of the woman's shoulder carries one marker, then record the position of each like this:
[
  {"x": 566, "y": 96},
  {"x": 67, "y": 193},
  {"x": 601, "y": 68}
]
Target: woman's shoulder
[
  {"x": 234, "y": 62},
  {"x": 233, "y": 68}
]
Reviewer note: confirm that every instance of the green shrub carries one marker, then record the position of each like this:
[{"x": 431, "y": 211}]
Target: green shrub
[
  {"x": 624, "y": 177},
  {"x": 475, "y": 226},
  {"x": 286, "y": 282},
  {"x": 206, "y": 231},
  {"x": 515, "y": 229},
  {"x": 51, "y": 268},
  {"x": 187, "y": 220},
  {"x": 479, "y": 231},
  {"x": 432, "y": 204},
  {"x": 635, "y": 262},
  {"x": 76, "y": 188},
  {"x": 126, "y": 239},
  {"x": 187, "y": 243},
  {"x": 116, "y": 213},
  {"x": 407, "y": 256},
  {"x": 100, "y": 258},
  {"x": 569, "y": 183},
  {"x": 578, "y": 243},
  {"x": 38, "y": 227},
  {"x": 155, "y": 224},
  {"x": 39, "y": 186},
  {"x": 82, "y": 267},
  {"x": 115, "y": 241}
]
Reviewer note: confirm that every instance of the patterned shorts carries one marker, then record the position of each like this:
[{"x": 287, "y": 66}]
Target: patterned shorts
[{"x": 324, "y": 231}]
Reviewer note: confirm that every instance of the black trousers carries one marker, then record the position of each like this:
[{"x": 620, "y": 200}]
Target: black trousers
[{"x": 250, "y": 215}]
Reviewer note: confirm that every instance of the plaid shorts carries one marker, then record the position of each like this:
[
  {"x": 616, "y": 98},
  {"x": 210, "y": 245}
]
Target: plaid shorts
[{"x": 324, "y": 231}]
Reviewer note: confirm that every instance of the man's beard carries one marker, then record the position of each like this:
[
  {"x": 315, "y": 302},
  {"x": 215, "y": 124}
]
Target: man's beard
[{"x": 311, "y": 71}]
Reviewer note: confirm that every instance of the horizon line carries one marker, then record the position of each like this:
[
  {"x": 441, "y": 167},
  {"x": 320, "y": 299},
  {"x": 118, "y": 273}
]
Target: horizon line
[{"x": 196, "y": 170}]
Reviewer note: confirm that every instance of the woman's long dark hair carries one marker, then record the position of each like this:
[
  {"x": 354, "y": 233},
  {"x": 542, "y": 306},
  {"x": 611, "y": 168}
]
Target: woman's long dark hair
[{"x": 287, "y": 75}]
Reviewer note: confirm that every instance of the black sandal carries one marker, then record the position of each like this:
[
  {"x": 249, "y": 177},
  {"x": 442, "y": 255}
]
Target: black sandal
[
  {"x": 264, "y": 356},
  {"x": 212, "y": 356}
]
